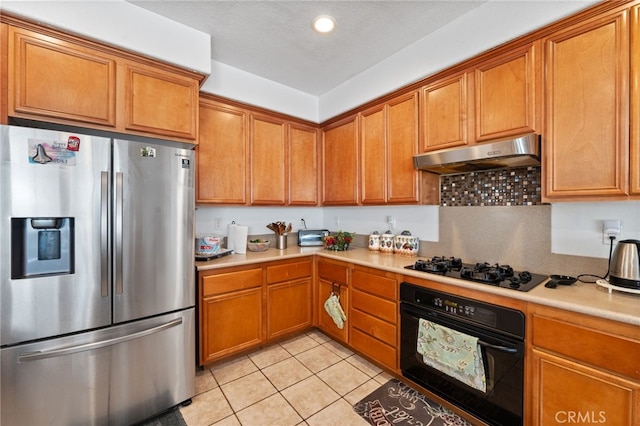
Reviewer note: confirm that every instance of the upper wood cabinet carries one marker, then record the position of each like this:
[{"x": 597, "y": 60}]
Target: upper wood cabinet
[
  {"x": 283, "y": 162},
  {"x": 268, "y": 160},
  {"x": 499, "y": 97},
  {"x": 252, "y": 157},
  {"x": 388, "y": 141},
  {"x": 508, "y": 93},
  {"x": 69, "y": 81},
  {"x": 160, "y": 102},
  {"x": 222, "y": 154},
  {"x": 4, "y": 67},
  {"x": 586, "y": 136},
  {"x": 302, "y": 161},
  {"x": 56, "y": 80},
  {"x": 340, "y": 162},
  {"x": 444, "y": 113},
  {"x": 634, "y": 186}
]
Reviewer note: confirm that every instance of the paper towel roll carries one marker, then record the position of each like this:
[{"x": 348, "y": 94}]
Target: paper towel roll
[
  {"x": 237, "y": 238},
  {"x": 231, "y": 232}
]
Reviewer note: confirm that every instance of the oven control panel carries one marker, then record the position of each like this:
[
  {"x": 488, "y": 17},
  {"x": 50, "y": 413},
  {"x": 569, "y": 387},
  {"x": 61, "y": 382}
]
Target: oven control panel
[
  {"x": 458, "y": 307},
  {"x": 500, "y": 318}
]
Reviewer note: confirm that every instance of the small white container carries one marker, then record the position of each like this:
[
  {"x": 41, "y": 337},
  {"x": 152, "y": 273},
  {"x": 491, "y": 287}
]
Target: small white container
[
  {"x": 406, "y": 245},
  {"x": 386, "y": 242},
  {"x": 374, "y": 241}
]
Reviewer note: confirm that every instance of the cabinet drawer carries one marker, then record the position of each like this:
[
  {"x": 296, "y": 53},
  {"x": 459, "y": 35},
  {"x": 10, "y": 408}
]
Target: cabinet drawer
[
  {"x": 288, "y": 271},
  {"x": 373, "y": 348},
  {"x": 376, "y": 284},
  {"x": 374, "y": 327},
  {"x": 332, "y": 272},
  {"x": 595, "y": 347},
  {"x": 380, "y": 308},
  {"x": 231, "y": 281}
]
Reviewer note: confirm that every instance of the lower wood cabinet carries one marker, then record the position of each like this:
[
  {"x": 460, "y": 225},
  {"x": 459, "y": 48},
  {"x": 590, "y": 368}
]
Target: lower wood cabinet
[
  {"x": 243, "y": 307},
  {"x": 230, "y": 306},
  {"x": 333, "y": 277},
  {"x": 289, "y": 297},
  {"x": 584, "y": 370},
  {"x": 230, "y": 323},
  {"x": 373, "y": 329}
]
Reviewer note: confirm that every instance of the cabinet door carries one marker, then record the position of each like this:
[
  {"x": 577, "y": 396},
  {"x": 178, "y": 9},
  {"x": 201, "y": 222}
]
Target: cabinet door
[
  {"x": 373, "y": 154},
  {"x": 506, "y": 93},
  {"x": 161, "y": 103},
  {"x": 268, "y": 160},
  {"x": 634, "y": 187},
  {"x": 402, "y": 145},
  {"x": 55, "y": 80},
  {"x": 288, "y": 307},
  {"x": 568, "y": 392},
  {"x": 303, "y": 165},
  {"x": 325, "y": 323},
  {"x": 374, "y": 315},
  {"x": 587, "y": 104},
  {"x": 340, "y": 163},
  {"x": 230, "y": 323},
  {"x": 222, "y": 154},
  {"x": 4, "y": 72},
  {"x": 445, "y": 113}
]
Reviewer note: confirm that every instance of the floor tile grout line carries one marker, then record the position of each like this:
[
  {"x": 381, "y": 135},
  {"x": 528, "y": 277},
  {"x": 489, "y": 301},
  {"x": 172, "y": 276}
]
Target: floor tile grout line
[{"x": 327, "y": 343}]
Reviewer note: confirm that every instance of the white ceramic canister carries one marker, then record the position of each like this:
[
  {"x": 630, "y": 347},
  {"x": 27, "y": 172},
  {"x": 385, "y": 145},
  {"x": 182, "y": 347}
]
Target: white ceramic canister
[
  {"x": 406, "y": 245},
  {"x": 374, "y": 241},
  {"x": 386, "y": 242}
]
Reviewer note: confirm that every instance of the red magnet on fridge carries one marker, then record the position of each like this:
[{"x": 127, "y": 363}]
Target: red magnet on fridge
[{"x": 73, "y": 143}]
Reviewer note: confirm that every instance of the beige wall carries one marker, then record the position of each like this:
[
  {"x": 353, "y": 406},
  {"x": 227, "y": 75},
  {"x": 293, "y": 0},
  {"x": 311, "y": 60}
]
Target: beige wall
[{"x": 519, "y": 236}]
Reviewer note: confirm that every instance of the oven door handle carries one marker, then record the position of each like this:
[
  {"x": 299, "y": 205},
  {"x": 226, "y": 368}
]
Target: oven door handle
[
  {"x": 434, "y": 315},
  {"x": 498, "y": 347}
]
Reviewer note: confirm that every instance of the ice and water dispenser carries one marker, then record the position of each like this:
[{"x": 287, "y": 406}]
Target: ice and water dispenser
[{"x": 42, "y": 246}]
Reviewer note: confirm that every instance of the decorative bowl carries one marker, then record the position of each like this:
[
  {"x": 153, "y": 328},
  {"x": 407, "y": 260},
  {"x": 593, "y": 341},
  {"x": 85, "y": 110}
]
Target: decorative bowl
[{"x": 258, "y": 245}]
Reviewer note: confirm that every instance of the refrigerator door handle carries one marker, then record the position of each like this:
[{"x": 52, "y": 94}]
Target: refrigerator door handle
[
  {"x": 118, "y": 232},
  {"x": 35, "y": 356},
  {"x": 104, "y": 234}
]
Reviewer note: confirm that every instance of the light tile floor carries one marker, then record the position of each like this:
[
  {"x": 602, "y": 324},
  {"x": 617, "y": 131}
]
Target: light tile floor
[{"x": 307, "y": 380}]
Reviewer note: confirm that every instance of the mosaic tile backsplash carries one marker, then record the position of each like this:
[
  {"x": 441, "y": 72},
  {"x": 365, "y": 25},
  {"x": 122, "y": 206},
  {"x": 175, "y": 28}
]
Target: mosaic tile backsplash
[{"x": 510, "y": 187}]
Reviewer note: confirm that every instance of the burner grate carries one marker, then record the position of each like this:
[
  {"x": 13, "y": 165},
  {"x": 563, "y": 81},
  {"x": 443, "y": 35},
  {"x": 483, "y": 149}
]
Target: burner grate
[{"x": 482, "y": 272}]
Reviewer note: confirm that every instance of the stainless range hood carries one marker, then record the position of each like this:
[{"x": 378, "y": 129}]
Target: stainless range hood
[{"x": 515, "y": 152}]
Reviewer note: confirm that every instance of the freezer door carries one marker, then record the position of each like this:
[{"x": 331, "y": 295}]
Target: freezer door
[
  {"x": 54, "y": 266},
  {"x": 115, "y": 376},
  {"x": 153, "y": 229}
]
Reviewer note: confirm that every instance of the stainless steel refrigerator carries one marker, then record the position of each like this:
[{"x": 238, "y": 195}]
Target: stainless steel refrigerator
[{"x": 97, "y": 285}]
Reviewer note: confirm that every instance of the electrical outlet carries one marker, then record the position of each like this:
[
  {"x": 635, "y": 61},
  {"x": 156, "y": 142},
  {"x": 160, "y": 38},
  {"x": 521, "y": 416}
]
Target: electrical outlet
[
  {"x": 217, "y": 224},
  {"x": 337, "y": 220},
  {"x": 611, "y": 228},
  {"x": 391, "y": 221}
]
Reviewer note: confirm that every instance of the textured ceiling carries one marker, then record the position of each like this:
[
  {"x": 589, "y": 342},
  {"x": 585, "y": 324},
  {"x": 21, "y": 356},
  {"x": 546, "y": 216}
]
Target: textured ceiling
[{"x": 274, "y": 39}]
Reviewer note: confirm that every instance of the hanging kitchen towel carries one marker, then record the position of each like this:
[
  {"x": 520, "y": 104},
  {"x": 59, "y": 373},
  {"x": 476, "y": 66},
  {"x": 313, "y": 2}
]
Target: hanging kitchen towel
[
  {"x": 335, "y": 311},
  {"x": 452, "y": 352}
]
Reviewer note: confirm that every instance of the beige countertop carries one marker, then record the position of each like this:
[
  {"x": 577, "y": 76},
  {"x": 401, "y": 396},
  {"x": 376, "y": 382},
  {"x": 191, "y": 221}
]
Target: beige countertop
[{"x": 580, "y": 297}]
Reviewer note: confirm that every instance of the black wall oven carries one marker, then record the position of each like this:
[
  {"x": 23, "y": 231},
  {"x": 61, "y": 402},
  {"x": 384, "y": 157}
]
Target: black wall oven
[{"x": 500, "y": 333}]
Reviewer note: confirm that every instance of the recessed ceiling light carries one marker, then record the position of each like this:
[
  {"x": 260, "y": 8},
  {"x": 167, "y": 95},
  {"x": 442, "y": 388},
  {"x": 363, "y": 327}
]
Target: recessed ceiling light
[{"x": 323, "y": 24}]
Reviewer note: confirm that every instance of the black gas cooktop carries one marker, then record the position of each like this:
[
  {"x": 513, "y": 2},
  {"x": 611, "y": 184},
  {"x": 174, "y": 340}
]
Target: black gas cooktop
[{"x": 484, "y": 273}]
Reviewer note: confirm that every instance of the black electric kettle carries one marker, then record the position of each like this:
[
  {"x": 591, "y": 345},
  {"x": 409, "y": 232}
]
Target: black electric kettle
[{"x": 624, "y": 270}]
